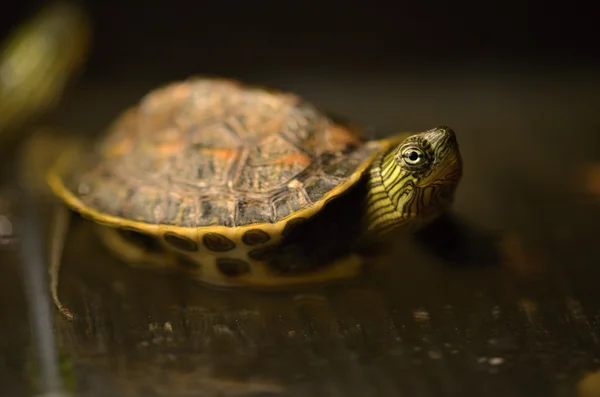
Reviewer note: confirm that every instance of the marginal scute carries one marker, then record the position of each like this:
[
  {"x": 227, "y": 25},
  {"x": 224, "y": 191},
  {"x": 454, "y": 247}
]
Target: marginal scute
[
  {"x": 344, "y": 167},
  {"x": 319, "y": 186},
  {"x": 289, "y": 203},
  {"x": 106, "y": 197},
  {"x": 216, "y": 212},
  {"x": 173, "y": 210},
  {"x": 181, "y": 242},
  {"x": 142, "y": 204},
  {"x": 255, "y": 237},
  {"x": 253, "y": 211},
  {"x": 232, "y": 267},
  {"x": 217, "y": 242},
  {"x": 187, "y": 213}
]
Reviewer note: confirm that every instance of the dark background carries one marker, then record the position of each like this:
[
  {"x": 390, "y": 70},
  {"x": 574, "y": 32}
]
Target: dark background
[{"x": 178, "y": 38}]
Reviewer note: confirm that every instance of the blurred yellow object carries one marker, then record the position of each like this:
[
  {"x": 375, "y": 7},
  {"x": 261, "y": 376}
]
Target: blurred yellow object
[{"x": 36, "y": 62}]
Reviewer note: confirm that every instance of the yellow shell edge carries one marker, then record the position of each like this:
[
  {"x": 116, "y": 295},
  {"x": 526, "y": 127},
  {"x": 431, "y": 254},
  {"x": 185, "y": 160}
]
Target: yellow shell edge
[{"x": 56, "y": 185}]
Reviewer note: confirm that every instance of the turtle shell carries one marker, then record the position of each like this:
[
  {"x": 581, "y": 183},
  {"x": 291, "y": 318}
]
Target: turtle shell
[{"x": 214, "y": 153}]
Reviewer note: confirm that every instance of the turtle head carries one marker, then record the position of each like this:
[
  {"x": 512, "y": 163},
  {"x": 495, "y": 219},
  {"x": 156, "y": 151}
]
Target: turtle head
[{"x": 414, "y": 182}]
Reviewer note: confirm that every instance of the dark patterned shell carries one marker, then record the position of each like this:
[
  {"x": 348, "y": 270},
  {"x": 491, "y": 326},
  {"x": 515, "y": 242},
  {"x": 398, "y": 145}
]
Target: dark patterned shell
[{"x": 211, "y": 152}]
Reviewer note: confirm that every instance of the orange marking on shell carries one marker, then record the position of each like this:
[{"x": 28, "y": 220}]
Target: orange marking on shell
[
  {"x": 169, "y": 148},
  {"x": 338, "y": 138},
  {"x": 219, "y": 153},
  {"x": 168, "y": 141},
  {"x": 293, "y": 159}
]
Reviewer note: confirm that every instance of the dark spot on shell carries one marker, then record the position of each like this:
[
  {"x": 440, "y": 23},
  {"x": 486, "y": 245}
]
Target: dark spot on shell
[
  {"x": 187, "y": 263},
  {"x": 255, "y": 237},
  {"x": 292, "y": 225},
  {"x": 263, "y": 253},
  {"x": 231, "y": 267},
  {"x": 217, "y": 242},
  {"x": 180, "y": 242},
  {"x": 139, "y": 239}
]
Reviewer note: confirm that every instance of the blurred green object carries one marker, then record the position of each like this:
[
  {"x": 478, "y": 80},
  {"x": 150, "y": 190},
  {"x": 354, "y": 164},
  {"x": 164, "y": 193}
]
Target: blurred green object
[
  {"x": 37, "y": 60},
  {"x": 66, "y": 373}
]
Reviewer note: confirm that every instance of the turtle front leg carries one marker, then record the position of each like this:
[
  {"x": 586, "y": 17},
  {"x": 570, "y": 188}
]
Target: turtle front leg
[{"x": 60, "y": 229}]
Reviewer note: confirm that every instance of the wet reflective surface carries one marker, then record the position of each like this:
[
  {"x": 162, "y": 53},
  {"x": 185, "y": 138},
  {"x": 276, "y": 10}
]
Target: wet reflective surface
[{"x": 498, "y": 299}]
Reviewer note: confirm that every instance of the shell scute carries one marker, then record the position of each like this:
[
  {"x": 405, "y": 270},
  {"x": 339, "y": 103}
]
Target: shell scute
[
  {"x": 289, "y": 203},
  {"x": 203, "y": 167},
  {"x": 145, "y": 204},
  {"x": 343, "y": 167},
  {"x": 317, "y": 187},
  {"x": 250, "y": 211},
  {"x": 179, "y": 210},
  {"x": 270, "y": 164},
  {"x": 216, "y": 212}
]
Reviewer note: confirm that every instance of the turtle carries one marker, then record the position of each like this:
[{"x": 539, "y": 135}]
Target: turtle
[{"x": 215, "y": 176}]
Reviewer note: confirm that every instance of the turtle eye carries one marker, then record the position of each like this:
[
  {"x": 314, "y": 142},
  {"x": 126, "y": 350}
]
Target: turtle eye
[{"x": 414, "y": 158}]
